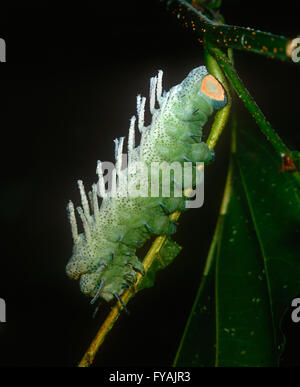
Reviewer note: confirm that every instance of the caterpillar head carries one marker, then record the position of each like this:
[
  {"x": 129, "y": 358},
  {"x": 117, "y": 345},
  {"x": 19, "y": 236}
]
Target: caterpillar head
[
  {"x": 198, "y": 95},
  {"x": 213, "y": 90}
]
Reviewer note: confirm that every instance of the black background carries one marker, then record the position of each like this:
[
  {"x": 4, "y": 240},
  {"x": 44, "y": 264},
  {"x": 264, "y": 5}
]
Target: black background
[{"x": 68, "y": 89}]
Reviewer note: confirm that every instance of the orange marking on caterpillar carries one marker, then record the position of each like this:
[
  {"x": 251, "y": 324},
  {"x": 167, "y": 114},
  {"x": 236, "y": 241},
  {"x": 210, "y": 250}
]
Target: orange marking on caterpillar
[{"x": 212, "y": 88}]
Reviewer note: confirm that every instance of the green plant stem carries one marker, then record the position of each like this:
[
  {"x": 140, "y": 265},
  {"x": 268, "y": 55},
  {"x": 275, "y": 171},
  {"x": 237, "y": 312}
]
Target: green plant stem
[
  {"x": 231, "y": 36},
  {"x": 248, "y": 101},
  {"x": 223, "y": 114}
]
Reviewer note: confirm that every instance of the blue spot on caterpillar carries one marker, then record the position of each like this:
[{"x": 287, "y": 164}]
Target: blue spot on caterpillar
[{"x": 104, "y": 258}]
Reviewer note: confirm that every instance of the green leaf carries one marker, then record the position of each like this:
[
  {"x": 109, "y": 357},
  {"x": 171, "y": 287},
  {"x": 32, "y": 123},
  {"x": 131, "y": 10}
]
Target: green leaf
[
  {"x": 167, "y": 254},
  {"x": 197, "y": 347},
  {"x": 257, "y": 265},
  {"x": 244, "y": 331},
  {"x": 273, "y": 198}
]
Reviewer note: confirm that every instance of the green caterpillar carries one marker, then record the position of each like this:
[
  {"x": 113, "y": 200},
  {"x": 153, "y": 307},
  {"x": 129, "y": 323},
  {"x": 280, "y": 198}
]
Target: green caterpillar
[{"x": 104, "y": 256}]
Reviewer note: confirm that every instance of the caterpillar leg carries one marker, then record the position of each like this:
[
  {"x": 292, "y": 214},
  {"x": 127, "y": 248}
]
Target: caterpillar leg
[
  {"x": 100, "y": 287},
  {"x": 121, "y": 302},
  {"x": 170, "y": 205},
  {"x": 158, "y": 223},
  {"x": 136, "y": 237},
  {"x": 197, "y": 152}
]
